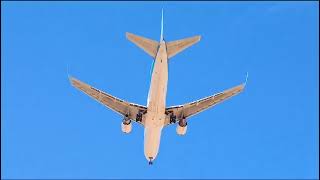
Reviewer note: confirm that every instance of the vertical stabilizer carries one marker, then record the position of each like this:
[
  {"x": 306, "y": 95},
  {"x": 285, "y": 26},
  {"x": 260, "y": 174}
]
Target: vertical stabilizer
[{"x": 161, "y": 37}]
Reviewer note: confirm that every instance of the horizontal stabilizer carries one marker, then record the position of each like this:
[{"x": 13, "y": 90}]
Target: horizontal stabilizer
[
  {"x": 148, "y": 45},
  {"x": 175, "y": 47}
]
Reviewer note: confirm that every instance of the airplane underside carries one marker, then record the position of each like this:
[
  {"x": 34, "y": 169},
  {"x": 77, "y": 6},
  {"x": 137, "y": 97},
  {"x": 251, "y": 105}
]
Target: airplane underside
[{"x": 155, "y": 115}]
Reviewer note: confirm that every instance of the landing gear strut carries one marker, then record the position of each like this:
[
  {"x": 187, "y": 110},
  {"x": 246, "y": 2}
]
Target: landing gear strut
[
  {"x": 139, "y": 117},
  {"x": 173, "y": 119}
]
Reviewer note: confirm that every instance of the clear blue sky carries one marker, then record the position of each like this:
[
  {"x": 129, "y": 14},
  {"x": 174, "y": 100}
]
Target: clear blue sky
[{"x": 51, "y": 130}]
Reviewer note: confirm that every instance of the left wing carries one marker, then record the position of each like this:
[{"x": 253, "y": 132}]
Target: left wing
[
  {"x": 195, "y": 107},
  {"x": 132, "y": 111}
]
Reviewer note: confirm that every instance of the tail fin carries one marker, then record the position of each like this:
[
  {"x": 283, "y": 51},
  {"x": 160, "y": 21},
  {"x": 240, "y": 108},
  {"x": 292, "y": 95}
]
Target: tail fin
[
  {"x": 148, "y": 45},
  {"x": 175, "y": 47},
  {"x": 161, "y": 36}
]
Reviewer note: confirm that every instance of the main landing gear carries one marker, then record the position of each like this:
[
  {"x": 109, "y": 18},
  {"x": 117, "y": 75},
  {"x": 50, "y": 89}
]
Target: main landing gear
[
  {"x": 173, "y": 119},
  {"x": 139, "y": 116}
]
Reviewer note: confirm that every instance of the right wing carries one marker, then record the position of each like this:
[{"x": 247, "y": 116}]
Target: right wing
[
  {"x": 195, "y": 107},
  {"x": 120, "y": 106}
]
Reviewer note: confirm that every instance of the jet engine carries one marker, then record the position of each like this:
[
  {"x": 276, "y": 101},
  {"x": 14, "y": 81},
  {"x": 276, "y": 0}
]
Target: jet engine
[
  {"x": 126, "y": 125},
  {"x": 182, "y": 127}
]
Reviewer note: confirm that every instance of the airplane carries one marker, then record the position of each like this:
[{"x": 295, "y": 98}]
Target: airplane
[{"x": 155, "y": 115}]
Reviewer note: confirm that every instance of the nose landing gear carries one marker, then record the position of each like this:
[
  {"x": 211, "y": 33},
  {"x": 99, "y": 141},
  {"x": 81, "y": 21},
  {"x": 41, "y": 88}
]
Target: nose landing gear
[{"x": 150, "y": 160}]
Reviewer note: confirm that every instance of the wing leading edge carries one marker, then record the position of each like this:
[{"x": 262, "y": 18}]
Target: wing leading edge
[
  {"x": 131, "y": 110},
  {"x": 195, "y": 107}
]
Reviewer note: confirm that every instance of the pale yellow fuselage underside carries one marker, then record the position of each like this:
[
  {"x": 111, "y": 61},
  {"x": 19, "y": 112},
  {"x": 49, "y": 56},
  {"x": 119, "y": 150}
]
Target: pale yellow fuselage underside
[{"x": 154, "y": 119}]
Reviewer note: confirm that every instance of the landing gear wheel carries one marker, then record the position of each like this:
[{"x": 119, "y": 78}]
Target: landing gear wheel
[
  {"x": 172, "y": 119},
  {"x": 150, "y": 161}
]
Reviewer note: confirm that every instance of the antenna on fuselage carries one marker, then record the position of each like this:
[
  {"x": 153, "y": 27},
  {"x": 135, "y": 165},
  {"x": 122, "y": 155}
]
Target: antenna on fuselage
[{"x": 161, "y": 37}]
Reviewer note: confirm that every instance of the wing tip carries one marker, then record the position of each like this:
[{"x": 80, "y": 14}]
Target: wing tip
[
  {"x": 69, "y": 76},
  {"x": 73, "y": 80},
  {"x": 243, "y": 85}
]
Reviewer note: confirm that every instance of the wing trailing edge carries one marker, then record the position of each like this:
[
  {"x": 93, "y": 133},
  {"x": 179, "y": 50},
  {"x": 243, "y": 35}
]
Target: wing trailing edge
[{"x": 189, "y": 109}]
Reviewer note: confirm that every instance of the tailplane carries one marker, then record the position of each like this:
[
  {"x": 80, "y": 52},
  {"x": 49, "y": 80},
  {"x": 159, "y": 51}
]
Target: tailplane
[
  {"x": 176, "y": 47},
  {"x": 148, "y": 45},
  {"x": 151, "y": 46}
]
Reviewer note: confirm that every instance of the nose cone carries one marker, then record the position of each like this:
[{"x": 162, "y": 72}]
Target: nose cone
[{"x": 151, "y": 143}]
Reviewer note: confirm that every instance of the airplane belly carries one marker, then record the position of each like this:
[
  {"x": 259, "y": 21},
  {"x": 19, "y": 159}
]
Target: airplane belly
[
  {"x": 151, "y": 142},
  {"x": 155, "y": 117}
]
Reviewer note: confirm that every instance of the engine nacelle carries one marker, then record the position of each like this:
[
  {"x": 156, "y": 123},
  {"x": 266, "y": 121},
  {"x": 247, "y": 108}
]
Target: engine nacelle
[
  {"x": 181, "y": 130},
  {"x": 126, "y": 127},
  {"x": 182, "y": 127}
]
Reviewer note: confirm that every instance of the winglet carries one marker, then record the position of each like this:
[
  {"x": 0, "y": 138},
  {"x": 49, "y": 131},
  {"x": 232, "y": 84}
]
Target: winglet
[
  {"x": 68, "y": 71},
  {"x": 246, "y": 79},
  {"x": 161, "y": 37}
]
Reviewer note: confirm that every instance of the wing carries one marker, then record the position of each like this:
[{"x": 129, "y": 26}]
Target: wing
[
  {"x": 190, "y": 109},
  {"x": 120, "y": 106}
]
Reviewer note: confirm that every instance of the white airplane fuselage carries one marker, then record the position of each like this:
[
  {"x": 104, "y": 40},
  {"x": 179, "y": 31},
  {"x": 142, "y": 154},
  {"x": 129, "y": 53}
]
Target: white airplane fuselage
[{"x": 155, "y": 116}]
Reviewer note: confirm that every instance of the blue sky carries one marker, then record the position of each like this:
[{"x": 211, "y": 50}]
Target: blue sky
[{"x": 51, "y": 130}]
